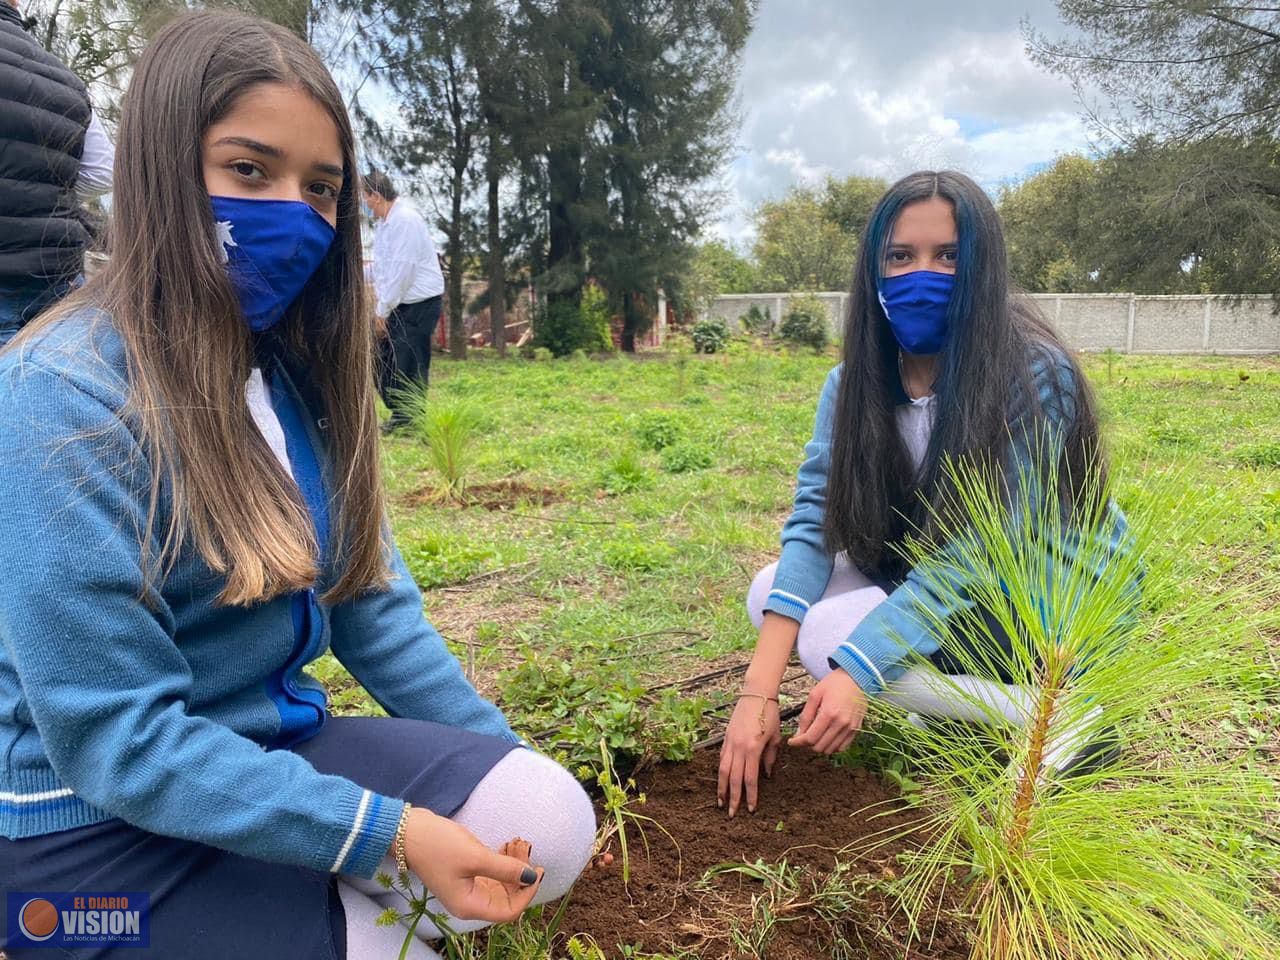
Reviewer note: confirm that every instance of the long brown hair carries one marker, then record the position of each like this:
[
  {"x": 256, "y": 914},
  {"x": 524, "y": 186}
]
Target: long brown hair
[
  {"x": 874, "y": 498},
  {"x": 189, "y": 350}
]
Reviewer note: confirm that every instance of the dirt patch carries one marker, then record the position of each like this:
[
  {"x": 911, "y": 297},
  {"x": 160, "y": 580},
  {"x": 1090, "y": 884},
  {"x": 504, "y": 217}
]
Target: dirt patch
[
  {"x": 496, "y": 495},
  {"x": 808, "y": 812}
]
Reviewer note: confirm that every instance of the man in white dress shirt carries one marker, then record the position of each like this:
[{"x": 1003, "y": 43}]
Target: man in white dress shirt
[{"x": 409, "y": 288}]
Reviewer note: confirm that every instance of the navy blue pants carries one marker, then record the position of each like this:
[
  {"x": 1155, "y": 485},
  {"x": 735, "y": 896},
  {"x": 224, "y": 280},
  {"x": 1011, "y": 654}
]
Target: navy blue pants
[{"x": 207, "y": 904}]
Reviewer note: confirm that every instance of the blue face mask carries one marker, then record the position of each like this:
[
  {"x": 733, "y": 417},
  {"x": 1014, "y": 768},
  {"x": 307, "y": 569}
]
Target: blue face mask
[
  {"x": 366, "y": 209},
  {"x": 271, "y": 249},
  {"x": 916, "y": 305}
]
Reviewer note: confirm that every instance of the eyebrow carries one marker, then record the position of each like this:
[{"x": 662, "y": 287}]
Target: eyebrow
[
  {"x": 912, "y": 246},
  {"x": 276, "y": 154}
]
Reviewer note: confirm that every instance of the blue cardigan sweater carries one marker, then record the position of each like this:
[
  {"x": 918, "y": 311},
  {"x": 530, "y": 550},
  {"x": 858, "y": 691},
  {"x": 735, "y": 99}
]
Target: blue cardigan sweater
[
  {"x": 163, "y": 713},
  {"x": 880, "y": 646}
]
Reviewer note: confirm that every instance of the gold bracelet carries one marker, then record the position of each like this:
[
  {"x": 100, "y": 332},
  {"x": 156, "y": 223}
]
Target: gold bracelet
[
  {"x": 397, "y": 845},
  {"x": 764, "y": 705}
]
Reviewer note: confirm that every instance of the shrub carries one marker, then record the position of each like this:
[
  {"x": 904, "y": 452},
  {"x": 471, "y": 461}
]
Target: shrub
[
  {"x": 658, "y": 430},
  {"x": 756, "y": 321},
  {"x": 683, "y": 457},
  {"x": 563, "y": 326},
  {"x": 710, "y": 335},
  {"x": 805, "y": 323}
]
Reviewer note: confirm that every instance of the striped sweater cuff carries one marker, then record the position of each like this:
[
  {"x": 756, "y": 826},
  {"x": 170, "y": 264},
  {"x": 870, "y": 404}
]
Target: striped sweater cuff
[
  {"x": 873, "y": 659},
  {"x": 374, "y": 819},
  {"x": 860, "y": 667},
  {"x": 787, "y": 604}
]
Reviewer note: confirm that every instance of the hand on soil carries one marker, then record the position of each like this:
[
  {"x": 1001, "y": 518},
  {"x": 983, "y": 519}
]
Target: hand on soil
[
  {"x": 832, "y": 716},
  {"x": 751, "y": 739},
  {"x": 471, "y": 881}
]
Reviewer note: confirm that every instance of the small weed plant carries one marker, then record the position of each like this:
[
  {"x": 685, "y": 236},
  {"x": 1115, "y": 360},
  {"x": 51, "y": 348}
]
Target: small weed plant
[
  {"x": 623, "y": 474},
  {"x": 620, "y": 801},
  {"x": 659, "y": 429},
  {"x": 684, "y": 457}
]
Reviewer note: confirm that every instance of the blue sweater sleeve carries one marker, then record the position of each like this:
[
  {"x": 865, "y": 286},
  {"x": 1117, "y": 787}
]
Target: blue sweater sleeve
[
  {"x": 384, "y": 639},
  {"x": 106, "y": 685},
  {"x": 804, "y": 569},
  {"x": 906, "y": 621}
]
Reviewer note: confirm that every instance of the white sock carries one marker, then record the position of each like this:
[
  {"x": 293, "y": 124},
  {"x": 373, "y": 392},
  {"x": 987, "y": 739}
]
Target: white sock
[
  {"x": 368, "y": 941},
  {"x": 525, "y": 795}
]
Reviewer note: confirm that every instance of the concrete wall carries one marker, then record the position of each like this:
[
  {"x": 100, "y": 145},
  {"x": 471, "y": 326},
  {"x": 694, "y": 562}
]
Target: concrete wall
[{"x": 1099, "y": 321}]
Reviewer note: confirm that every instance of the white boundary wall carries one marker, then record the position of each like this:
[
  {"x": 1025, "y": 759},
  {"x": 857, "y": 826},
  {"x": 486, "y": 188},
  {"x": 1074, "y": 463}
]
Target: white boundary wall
[{"x": 1124, "y": 322}]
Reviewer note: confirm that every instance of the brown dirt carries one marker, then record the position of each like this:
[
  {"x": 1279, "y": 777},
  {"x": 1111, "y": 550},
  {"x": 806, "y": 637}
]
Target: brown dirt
[
  {"x": 496, "y": 495},
  {"x": 808, "y": 812}
]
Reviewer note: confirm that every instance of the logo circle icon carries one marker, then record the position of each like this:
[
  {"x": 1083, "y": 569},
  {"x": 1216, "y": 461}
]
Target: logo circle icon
[{"x": 38, "y": 919}]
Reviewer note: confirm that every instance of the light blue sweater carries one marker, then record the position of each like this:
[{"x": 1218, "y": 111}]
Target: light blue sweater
[
  {"x": 880, "y": 647},
  {"x": 162, "y": 714}
]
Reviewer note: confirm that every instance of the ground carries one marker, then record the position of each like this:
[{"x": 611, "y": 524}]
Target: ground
[{"x": 591, "y": 576}]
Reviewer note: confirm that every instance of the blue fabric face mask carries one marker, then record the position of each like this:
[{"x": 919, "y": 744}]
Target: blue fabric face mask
[
  {"x": 271, "y": 249},
  {"x": 916, "y": 305}
]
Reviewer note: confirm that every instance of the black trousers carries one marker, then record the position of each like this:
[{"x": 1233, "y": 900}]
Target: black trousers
[{"x": 406, "y": 352}]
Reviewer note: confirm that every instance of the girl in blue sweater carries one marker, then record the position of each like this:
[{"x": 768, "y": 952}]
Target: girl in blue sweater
[
  {"x": 941, "y": 359},
  {"x": 191, "y": 512}
]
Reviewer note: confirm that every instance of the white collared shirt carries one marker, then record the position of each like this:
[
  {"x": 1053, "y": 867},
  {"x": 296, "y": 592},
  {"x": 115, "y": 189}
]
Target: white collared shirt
[
  {"x": 405, "y": 266},
  {"x": 915, "y": 423},
  {"x": 97, "y": 162}
]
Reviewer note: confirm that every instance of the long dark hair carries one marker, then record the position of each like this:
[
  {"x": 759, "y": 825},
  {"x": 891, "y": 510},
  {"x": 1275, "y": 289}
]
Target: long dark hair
[
  {"x": 188, "y": 349},
  {"x": 874, "y": 496}
]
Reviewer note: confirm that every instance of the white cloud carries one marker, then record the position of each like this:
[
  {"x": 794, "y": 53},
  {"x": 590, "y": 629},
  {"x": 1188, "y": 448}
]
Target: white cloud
[{"x": 840, "y": 88}]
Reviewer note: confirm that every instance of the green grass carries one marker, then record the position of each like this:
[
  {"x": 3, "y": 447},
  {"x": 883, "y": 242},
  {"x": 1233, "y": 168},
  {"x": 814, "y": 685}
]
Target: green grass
[{"x": 625, "y": 564}]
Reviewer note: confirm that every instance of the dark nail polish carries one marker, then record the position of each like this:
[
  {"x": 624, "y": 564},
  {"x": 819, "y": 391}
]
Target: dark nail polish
[{"x": 528, "y": 877}]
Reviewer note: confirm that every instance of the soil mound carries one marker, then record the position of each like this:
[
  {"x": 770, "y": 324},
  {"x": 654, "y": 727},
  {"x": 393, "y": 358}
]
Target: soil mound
[{"x": 808, "y": 812}]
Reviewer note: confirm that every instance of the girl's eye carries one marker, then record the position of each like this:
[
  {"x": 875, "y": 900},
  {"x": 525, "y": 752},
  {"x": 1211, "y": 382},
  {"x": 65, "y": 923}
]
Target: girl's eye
[
  {"x": 949, "y": 256},
  {"x": 246, "y": 169},
  {"x": 899, "y": 256},
  {"x": 325, "y": 189}
]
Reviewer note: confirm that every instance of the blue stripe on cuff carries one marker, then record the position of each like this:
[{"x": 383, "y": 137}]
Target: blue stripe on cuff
[
  {"x": 844, "y": 658},
  {"x": 792, "y": 607}
]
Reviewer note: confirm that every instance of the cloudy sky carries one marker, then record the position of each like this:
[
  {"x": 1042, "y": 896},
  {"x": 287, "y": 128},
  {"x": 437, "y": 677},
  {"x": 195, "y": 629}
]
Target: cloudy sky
[{"x": 882, "y": 88}]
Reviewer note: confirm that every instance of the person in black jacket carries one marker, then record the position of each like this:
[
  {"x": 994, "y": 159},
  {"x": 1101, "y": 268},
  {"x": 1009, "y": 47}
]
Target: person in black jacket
[{"x": 54, "y": 154}]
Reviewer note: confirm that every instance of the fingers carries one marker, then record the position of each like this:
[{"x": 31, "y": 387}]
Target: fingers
[
  {"x": 845, "y": 743},
  {"x": 751, "y": 777},
  {"x": 726, "y": 764},
  {"x": 835, "y": 735},
  {"x": 810, "y": 711},
  {"x": 735, "y": 781},
  {"x": 814, "y": 732},
  {"x": 771, "y": 754},
  {"x": 495, "y": 902},
  {"x": 511, "y": 871}
]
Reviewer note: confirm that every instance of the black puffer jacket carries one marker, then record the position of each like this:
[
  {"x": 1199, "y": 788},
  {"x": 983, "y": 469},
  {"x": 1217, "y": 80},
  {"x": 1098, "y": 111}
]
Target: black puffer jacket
[{"x": 44, "y": 112}]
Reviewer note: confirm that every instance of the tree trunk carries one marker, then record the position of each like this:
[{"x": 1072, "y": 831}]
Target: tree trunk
[
  {"x": 564, "y": 262},
  {"x": 630, "y": 323},
  {"x": 457, "y": 316},
  {"x": 497, "y": 265}
]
